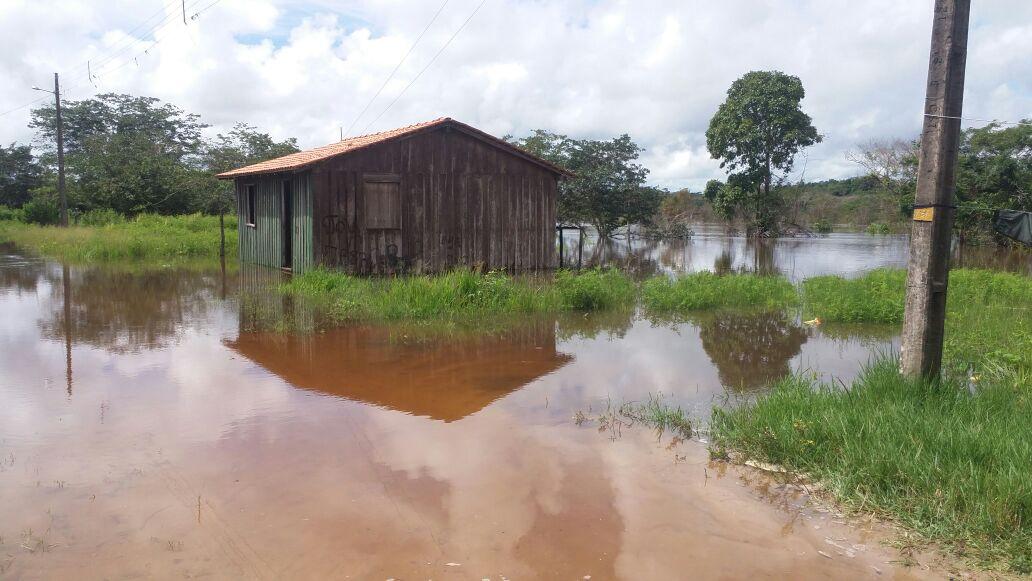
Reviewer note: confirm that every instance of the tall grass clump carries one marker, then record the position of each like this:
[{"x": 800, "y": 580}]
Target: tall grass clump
[
  {"x": 594, "y": 290},
  {"x": 460, "y": 293},
  {"x": 949, "y": 462},
  {"x": 146, "y": 237},
  {"x": 875, "y": 297},
  {"x": 705, "y": 290}
]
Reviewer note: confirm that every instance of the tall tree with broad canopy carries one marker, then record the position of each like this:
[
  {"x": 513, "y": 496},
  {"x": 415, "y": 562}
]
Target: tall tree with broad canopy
[
  {"x": 126, "y": 153},
  {"x": 608, "y": 188},
  {"x": 19, "y": 174},
  {"x": 756, "y": 134}
]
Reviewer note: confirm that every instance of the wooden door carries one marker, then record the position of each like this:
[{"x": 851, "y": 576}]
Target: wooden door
[{"x": 381, "y": 205}]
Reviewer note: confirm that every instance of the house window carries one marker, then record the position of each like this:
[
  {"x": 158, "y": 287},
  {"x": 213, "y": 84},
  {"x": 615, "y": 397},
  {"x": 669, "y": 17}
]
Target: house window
[
  {"x": 382, "y": 205},
  {"x": 250, "y": 204}
]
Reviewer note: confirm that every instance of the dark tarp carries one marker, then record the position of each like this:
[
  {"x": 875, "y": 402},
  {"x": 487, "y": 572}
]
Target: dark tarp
[{"x": 1014, "y": 224}]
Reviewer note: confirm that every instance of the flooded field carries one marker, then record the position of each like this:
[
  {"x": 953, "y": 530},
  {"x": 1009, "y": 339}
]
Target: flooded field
[{"x": 152, "y": 426}]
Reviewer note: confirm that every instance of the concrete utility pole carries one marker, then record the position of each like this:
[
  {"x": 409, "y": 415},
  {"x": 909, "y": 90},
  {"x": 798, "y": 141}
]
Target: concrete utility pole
[
  {"x": 928, "y": 269},
  {"x": 60, "y": 153}
]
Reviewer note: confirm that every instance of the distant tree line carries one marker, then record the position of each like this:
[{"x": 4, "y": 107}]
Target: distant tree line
[{"x": 128, "y": 155}]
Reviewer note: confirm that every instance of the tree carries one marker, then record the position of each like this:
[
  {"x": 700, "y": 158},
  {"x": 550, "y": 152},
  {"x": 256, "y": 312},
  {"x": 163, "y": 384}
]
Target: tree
[
  {"x": 170, "y": 130},
  {"x": 608, "y": 188},
  {"x": 756, "y": 134},
  {"x": 123, "y": 173},
  {"x": 994, "y": 172},
  {"x": 19, "y": 174},
  {"x": 243, "y": 145},
  {"x": 125, "y": 153}
]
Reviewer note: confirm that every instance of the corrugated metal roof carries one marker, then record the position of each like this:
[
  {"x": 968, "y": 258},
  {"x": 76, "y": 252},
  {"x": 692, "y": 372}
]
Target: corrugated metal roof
[{"x": 302, "y": 159}]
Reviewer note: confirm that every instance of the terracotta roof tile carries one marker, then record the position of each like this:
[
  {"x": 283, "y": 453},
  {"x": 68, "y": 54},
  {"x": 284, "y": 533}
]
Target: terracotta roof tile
[{"x": 302, "y": 159}]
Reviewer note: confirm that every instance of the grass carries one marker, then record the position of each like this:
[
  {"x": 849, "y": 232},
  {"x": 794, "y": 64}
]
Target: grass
[
  {"x": 705, "y": 290},
  {"x": 146, "y": 237},
  {"x": 461, "y": 294},
  {"x": 989, "y": 313},
  {"x": 950, "y": 464},
  {"x": 654, "y": 413},
  {"x": 875, "y": 297},
  {"x": 951, "y": 460}
]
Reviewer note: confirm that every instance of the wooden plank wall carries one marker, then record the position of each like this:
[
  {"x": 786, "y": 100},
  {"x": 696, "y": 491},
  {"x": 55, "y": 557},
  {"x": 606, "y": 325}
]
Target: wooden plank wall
[
  {"x": 262, "y": 243},
  {"x": 463, "y": 201}
]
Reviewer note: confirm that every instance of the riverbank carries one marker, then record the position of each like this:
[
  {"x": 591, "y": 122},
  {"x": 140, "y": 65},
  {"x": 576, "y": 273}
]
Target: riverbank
[
  {"x": 948, "y": 460},
  {"x": 147, "y": 237}
]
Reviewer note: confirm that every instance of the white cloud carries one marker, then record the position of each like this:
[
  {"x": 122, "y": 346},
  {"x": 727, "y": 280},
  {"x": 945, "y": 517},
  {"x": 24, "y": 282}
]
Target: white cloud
[{"x": 656, "y": 69}]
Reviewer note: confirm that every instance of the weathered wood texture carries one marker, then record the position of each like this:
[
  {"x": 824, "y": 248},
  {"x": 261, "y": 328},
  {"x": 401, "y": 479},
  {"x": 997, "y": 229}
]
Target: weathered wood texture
[
  {"x": 262, "y": 243},
  {"x": 434, "y": 200}
]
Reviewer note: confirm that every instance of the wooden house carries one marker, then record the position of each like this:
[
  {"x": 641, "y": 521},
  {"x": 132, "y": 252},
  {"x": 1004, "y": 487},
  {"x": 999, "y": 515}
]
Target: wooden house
[{"x": 422, "y": 198}]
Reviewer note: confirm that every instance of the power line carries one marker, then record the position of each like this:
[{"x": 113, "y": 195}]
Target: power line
[
  {"x": 129, "y": 39},
  {"x": 396, "y": 67},
  {"x": 976, "y": 119},
  {"x": 169, "y": 18},
  {"x": 434, "y": 58},
  {"x": 103, "y": 66}
]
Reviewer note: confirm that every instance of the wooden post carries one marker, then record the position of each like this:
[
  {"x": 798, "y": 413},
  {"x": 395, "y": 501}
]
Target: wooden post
[
  {"x": 561, "y": 232},
  {"x": 60, "y": 153},
  {"x": 580, "y": 246},
  {"x": 222, "y": 233},
  {"x": 928, "y": 269}
]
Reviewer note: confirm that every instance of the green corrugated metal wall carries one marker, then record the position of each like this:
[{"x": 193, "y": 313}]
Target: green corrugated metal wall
[{"x": 262, "y": 243}]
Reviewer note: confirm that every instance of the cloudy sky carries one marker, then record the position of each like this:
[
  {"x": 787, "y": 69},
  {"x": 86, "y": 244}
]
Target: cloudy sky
[{"x": 656, "y": 69}]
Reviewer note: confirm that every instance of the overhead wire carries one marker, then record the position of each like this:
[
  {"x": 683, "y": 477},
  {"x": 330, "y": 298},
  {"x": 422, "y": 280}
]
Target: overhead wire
[
  {"x": 428, "y": 65},
  {"x": 351, "y": 126},
  {"x": 104, "y": 66}
]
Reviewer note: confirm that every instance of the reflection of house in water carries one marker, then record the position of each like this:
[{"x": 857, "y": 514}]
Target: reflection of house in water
[{"x": 445, "y": 379}]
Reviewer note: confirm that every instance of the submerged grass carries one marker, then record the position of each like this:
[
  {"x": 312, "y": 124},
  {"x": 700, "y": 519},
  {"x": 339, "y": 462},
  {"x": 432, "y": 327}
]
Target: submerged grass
[
  {"x": 705, "y": 290},
  {"x": 461, "y": 294},
  {"x": 146, "y": 237}
]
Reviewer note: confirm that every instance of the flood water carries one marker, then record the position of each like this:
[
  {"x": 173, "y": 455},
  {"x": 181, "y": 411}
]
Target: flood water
[{"x": 153, "y": 425}]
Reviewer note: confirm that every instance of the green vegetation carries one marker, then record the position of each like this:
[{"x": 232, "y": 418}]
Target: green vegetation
[
  {"x": 607, "y": 188},
  {"x": 756, "y": 134},
  {"x": 989, "y": 318},
  {"x": 460, "y": 294},
  {"x": 875, "y": 297},
  {"x": 950, "y": 464},
  {"x": 878, "y": 228},
  {"x": 705, "y": 290},
  {"x": 948, "y": 459},
  {"x": 660, "y": 415},
  {"x": 654, "y": 413},
  {"x": 146, "y": 237}
]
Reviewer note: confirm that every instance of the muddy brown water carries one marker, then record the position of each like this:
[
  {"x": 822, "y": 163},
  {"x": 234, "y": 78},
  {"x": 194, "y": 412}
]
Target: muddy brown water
[{"x": 152, "y": 426}]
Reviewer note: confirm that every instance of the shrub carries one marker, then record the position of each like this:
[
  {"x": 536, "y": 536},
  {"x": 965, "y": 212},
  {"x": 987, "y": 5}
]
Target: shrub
[
  {"x": 878, "y": 228},
  {"x": 822, "y": 227},
  {"x": 100, "y": 218},
  {"x": 41, "y": 211},
  {"x": 11, "y": 214}
]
